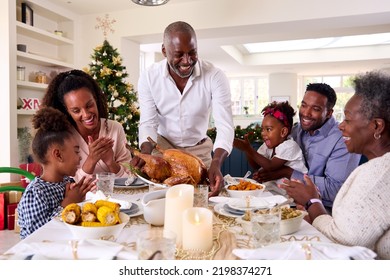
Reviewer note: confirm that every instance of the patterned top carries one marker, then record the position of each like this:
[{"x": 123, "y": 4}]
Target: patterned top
[
  {"x": 41, "y": 201},
  {"x": 361, "y": 210}
]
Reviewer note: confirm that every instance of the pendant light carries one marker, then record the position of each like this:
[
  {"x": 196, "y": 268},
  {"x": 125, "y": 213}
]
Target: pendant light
[{"x": 150, "y": 2}]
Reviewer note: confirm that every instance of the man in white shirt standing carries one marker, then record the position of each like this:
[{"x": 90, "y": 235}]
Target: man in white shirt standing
[{"x": 176, "y": 98}]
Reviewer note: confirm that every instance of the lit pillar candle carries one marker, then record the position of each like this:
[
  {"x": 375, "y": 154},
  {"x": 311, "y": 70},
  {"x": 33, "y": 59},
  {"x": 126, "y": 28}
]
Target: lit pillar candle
[
  {"x": 177, "y": 199},
  {"x": 197, "y": 229}
]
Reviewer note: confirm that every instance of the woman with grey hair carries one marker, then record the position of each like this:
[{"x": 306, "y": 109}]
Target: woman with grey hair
[{"x": 361, "y": 210}]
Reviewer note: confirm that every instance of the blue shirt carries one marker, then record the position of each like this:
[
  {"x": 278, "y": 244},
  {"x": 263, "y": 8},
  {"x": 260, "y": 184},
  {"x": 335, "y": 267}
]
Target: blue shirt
[
  {"x": 41, "y": 201},
  {"x": 327, "y": 158}
]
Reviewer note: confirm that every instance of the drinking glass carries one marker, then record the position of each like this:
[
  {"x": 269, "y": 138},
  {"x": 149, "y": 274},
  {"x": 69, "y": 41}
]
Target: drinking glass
[
  {"x": 156, "y": 243},
  {"x": 265, "y": 227},
  {"x": 201, "y": 196},
  {"x": 105, "y": 182}
]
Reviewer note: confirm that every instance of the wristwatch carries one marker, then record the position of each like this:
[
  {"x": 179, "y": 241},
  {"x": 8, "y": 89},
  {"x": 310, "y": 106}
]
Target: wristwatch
[{"x": 311, "y": 201}]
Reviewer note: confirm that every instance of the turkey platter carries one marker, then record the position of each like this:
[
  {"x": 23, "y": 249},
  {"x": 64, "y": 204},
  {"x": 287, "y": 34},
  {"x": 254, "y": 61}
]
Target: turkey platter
[{"x": 172, "y": 167}]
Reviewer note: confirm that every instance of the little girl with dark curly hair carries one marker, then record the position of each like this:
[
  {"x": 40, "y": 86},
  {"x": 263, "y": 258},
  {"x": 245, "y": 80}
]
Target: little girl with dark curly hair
[
  {"x": 56, "y": 149},
  {"x": 278, "y": 149}
]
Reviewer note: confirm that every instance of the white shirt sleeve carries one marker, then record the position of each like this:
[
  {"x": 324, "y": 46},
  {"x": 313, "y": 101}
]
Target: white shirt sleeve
[{"x": 290, "y": 151}]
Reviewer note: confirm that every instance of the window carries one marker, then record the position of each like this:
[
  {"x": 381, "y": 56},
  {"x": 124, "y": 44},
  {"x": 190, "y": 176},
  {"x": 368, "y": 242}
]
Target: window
[
  {"x": 249, "y": 95},
  {"x": 341, "y": 84}
]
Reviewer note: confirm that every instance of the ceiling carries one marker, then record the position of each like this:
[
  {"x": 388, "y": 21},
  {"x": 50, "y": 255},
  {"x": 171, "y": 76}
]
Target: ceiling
[
  {"x": 85, "y": 7},
  {"x": 223, "y": 46}
]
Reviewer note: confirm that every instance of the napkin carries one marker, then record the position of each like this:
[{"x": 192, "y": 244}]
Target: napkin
[
  {"x": 303, "y": 250},
  {"x": 88, "y": 249},
  {"x": 132, "y": 210},
  {"x": 99, "y": 195}
]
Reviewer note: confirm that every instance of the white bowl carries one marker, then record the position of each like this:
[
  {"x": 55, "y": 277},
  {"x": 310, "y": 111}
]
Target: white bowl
[
  {"x": 289, "y": 226},
  {"x": 105, "y": 232},
  {"x": 243, "y": 193}
]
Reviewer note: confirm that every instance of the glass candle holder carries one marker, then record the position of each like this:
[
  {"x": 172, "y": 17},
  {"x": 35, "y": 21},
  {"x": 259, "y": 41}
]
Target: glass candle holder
[{"x": 41, "y": 78}]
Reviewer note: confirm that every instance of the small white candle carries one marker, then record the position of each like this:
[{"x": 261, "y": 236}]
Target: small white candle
[
  {"x": 197, "y": 229},
  {"x": 177, "y": 199}
]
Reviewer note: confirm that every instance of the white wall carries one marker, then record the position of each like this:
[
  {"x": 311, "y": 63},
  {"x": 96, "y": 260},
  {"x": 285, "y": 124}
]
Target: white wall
[
  {"x": 271, "y": 19},
  {"x": 7, "y": 92},
  {"x": 283, "y": 85}
]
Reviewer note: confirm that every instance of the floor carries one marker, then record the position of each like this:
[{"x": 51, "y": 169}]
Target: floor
[{"x": 8, "y": 238}]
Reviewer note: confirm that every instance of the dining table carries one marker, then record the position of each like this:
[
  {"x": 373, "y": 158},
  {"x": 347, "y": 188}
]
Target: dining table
[{"x": 228, "y": 235}]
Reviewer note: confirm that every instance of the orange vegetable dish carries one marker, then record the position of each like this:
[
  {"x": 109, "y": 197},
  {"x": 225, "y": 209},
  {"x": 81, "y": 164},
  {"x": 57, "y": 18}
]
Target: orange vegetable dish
[{"x": 245, "y": 186}]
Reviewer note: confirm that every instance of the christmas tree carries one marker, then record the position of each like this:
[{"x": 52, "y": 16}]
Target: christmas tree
[{"x": 107, "y": 69}]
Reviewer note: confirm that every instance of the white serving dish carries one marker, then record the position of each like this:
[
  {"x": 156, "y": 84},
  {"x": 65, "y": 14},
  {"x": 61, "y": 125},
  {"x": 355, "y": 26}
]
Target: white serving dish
[
  {"x": 153, "y": 204},
  {"x": 289, "y": 226},
  {"x": 105, "y": 232},
  {"x": 243, "y": 193}
]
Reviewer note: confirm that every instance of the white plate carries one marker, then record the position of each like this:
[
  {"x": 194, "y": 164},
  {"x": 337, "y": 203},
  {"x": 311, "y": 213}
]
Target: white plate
[
  {"x": 255, "y": 203},
  {"x": 125, "y": 181},
  {"x": 219, "y": 209},
  {"x": 272, "y": 199},
  {"x": 137, "y": 184},
  {"x": 93, "y": 197},
  {"x": 140, "y": 211},
  {"x": 275, "y": 199}
]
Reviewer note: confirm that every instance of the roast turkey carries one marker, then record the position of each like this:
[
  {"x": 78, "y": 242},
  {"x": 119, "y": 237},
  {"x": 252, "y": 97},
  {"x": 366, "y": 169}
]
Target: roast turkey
[
  {"x": 173, "y": 167},
  {"x": 155, "y": 167}
]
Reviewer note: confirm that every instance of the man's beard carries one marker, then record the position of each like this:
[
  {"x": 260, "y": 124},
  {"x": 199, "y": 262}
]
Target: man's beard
[{"x": 177, "y": 71}]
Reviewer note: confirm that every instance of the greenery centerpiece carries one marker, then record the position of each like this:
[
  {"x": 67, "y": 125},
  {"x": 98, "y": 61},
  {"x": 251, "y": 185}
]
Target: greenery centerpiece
[{"x": 253, "y": 130}]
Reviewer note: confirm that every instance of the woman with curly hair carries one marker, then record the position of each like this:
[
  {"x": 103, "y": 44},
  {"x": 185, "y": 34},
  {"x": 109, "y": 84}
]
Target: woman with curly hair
[
  {"x": 102, "y": 141},
  {"x": 361, "y": 209},
  {"x": 55, "y": 148},
  {"x": 278, "y": 149}
]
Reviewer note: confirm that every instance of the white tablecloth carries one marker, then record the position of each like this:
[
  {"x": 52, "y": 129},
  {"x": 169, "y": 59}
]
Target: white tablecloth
[{"x": 56, "y": 231}]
